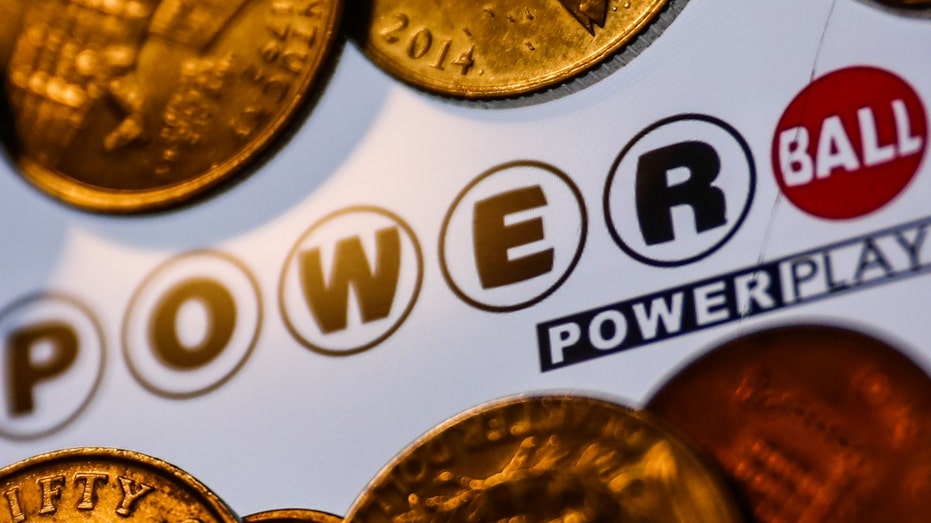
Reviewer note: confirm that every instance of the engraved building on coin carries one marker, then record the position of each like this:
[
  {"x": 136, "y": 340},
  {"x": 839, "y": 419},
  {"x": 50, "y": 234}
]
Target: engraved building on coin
[{"x": 134, "y": 105}]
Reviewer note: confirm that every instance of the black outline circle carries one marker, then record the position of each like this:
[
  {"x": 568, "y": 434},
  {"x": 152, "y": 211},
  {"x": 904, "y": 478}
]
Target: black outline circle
[
  {"x": 36, "y": 297},
  {"x": 743, "y": 215},
  {"x": 401, "y": 319},
  {"x": 553, "y": 288},
  {"x": 134, "y": 301}
]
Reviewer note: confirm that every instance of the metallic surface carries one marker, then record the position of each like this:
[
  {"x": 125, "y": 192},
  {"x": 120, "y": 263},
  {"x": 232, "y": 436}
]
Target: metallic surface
[
  {"x": 502, "y": 48},
  {"x": 547, "y": 458},
  {"x": 10, "y": 15},
  {"x": 96, "y": 484},
  {"x": 815, "y": 424},
  {"x": 293, "y": 515},
  {"x": 133, "y": 105}
]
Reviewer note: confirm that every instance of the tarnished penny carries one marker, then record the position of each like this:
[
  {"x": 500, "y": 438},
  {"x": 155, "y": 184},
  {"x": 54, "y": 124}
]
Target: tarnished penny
[
  {"x": 547, "y": 459},
  {"x": 105, "y": 485},
  {"x": 814, "y": 424},
  {"x": 292, "y": 515},
  {"x": 133, "y": 105},
  {"x": 500, "y": 48}
]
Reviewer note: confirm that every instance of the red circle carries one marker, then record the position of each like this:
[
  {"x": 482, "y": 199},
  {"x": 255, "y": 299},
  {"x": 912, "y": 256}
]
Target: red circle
[{"x": 858, "y": 169}]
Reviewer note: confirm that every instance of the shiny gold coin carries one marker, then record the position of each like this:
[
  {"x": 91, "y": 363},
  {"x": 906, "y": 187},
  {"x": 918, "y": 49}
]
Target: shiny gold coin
[
  {"x": 134, "y": 105},
  {"x": 105, "y": 485},
  {"x": 547, "y": 459},
  {"x": 499, "y": 48},
  {"x": 292, "y": 515}
]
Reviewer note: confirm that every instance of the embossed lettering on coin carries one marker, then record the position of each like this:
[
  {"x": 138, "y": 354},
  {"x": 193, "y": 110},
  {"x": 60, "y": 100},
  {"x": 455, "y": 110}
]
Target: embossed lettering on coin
[
  {"x": 500, "y": 48},
  {"x": 815, "y": 424},
  {"x": 546, "y": 459},
  {"x": 130, "y": 105},
  {"x": 105, "y": 485}
]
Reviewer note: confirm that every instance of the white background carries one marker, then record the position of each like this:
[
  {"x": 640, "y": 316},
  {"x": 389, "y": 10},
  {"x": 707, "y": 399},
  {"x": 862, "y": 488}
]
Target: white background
[{"x": 296, "y": 428}]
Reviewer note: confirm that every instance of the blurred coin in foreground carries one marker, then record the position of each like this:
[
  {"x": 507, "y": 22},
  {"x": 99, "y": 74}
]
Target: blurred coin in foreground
[
  {"x": 907, "y": 3},
  {"x": 292, "y": 515},
  {"x": 135, "y": 105},
  {"x": 106, "y": 485},
  {"x": 547, "y": 458},
  {"x": 908, "y": 8},
  {"x": 812, "y": 423}
]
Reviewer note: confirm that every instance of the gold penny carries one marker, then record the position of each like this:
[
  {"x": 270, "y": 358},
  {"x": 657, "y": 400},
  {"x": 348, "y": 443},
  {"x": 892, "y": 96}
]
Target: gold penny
[
  {"x": 292, "y": 515},
  {"x": 499, "y": 48},
  {"x": 105, "y": 485},
  {"x": 134, "y": 105},
  {"x": 547, "y": 459}
]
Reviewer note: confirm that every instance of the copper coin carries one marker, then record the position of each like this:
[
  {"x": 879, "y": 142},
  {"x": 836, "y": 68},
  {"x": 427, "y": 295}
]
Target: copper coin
[
  {"x": 814, "y": 424},
  {"x": 547, "y": 459},
  {"x": 503, "y": 48},
  {"x": 292, "y": 515},
  {"x": 135, "y": 105},
  {"x": 105, "y": 485}
]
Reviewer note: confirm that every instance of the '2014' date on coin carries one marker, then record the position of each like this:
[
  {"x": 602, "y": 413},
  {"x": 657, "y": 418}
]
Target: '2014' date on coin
[{"x": 420, "y": 43}]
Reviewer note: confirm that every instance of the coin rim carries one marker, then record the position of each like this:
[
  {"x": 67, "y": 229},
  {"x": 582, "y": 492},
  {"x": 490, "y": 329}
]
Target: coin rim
[
  {"x": 297, "y": 514},
  {"x": 902, "y": 350},
  {"x": 867, "y": 337},
  {"x": 411, "y": 77},
  {"x": 214, "y": 504},
  {"x": 670, "y": 433},
  {"x": 86, "y": 196}
]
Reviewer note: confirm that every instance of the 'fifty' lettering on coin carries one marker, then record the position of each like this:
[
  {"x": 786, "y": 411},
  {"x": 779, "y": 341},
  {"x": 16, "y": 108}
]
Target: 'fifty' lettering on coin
[{"x": 83, "y": 485}]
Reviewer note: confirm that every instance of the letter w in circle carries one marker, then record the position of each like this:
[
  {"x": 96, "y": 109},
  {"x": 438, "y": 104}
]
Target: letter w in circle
[{"x": 374, "y": 288}]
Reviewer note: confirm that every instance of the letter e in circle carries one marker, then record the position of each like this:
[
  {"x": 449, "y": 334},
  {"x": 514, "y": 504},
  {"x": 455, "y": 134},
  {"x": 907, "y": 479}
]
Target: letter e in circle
[{"x": 513, "y": 236}]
